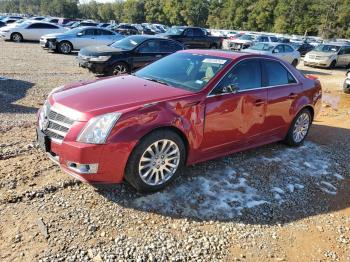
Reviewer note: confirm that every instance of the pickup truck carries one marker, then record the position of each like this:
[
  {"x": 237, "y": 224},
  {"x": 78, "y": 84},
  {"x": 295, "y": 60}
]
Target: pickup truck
[{"x": 193, "y": 37}]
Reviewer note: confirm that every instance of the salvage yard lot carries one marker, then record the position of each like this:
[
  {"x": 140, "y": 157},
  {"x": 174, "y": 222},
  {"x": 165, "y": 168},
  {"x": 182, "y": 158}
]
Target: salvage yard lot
[{"x": 266, "y": 204}]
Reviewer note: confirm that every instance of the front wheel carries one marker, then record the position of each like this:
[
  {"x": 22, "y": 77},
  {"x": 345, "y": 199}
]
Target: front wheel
[
  {"x": 299, "y": 129},
  {"x": 119, "y": 69},
  {"x": 17, "y": 37},
  {"x": 65, "y": 47},
  {"x": 156, "y": 161}
]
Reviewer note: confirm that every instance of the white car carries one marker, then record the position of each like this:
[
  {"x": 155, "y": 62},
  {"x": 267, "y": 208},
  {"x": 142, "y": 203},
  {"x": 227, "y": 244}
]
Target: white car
[
  {"x": 29, "y": 30},
  {"x": 283, "y": 51},
  {"x": 78, "y": 38}
]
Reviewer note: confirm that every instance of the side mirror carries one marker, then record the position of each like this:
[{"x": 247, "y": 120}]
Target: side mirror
[
  {"x": 275, "y": 51},
  {"x": 230, "y": 89},
  {"x": 80, "y": 34}
]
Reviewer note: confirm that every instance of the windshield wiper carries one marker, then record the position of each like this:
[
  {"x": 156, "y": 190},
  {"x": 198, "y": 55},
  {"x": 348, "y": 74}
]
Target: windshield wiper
[{"x": 156, "y": 80}]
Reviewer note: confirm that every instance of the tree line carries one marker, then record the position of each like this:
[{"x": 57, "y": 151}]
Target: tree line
[{"x": 327, "y": 18}]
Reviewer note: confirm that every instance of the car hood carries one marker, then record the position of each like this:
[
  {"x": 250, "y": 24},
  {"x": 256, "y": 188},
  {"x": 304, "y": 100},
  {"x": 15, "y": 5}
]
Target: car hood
[
  {"x": 54, "y": 35},
  {"x": 100, "y": 50},
  {"x": 321, "y": 53},
  {"x": 84, "y": 100}
]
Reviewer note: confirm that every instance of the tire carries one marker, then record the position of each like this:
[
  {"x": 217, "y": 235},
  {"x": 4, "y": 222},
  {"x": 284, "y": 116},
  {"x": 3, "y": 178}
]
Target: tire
[
  {"x": 295, "y": 63},
  {"x": 213, "y": 46},
  {"x": 146, "y": 176},
  {"x": 17, "y": 37},
  {"x": 332, "y": 65},
  {"x": 65, "y": 47},
  {"x": 119, "y": 69},
  {"x": 300, "y": 125}
]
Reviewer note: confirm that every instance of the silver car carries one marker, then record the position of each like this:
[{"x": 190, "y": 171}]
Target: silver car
[
  {"x": 329, "y": 55},
  {"x": 79, "y": 38},
  {"x": 283, "y": 51}
]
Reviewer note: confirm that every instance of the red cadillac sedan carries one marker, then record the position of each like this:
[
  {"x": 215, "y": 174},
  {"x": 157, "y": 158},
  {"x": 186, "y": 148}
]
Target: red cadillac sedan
[{"x": 186, "y": 108}]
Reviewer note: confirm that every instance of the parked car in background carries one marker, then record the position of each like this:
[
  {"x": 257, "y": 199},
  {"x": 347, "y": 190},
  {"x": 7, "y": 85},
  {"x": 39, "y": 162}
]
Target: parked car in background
[
  {"x": 127, "y": 54},
  {"x": 10, "y": 20},
  {"x": 53, "y": 20},
  {"x": 78, "y": 38},
  {"x": 283, "y": 40},
  {"x": 103, "y": 25},
  {"x": 37, "y": 18},
  {"x": 329, "y": 55},
  {"x": 346, "y": 85},
  {"x": 83, "y": 23},
  {"x": 282, "y": 51},
  {"x": 242, "y": 42},
  {"x": 126, "y": 29},
  {"x": 66, "y": 21},
  {"x": 186, "y": 108},
  {"x": 265, "y": 38},
  {"x": 302, "y": 48},
  {"x": 2, "y": 24},
  {"x": 29, "y": 30},
  {"x": 193, "y": 37}
]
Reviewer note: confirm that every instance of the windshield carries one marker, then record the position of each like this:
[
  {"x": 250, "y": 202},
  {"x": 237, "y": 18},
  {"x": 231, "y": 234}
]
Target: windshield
[
  {"x": 261, "y": 47},
  {"x": 175, "y": 31},
  {"x": 327, "y": 48},
  {"x": 128, "y": 43},
  {"x": 246, "y": 37},
  {"x": 182, "y": 70}
]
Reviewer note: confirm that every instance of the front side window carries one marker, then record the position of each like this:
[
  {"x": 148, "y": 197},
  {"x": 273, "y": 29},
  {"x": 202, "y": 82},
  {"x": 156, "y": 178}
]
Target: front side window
[
  {"x": 189, "y": 32},
  {"x": 183, "y": 70},
  {"x": 89, "y": 32},
  {"x": 261, "y": 47},
  {"x": 245, "y": 75},
  {"x": 277, "y": 74},
  {"x": 169, "y": 46},
  {"x": 288, "y": 49},
  {"x": 279, "y": 49}
]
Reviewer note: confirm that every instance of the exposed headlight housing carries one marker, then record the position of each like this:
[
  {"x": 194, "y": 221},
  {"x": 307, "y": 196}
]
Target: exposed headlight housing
[
  {"x": 98, "y": 128},
  {"x": 100, "y": 58}
]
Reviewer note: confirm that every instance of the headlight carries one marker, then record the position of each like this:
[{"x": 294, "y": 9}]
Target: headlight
[
  {"x": 98, "y": 128},
  {"x": 100, "y": 58}
]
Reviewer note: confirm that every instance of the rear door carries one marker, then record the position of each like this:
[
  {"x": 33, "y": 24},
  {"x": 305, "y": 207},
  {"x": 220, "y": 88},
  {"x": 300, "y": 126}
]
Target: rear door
[
  {"x": 86, "y": 38},
  {"x": 233, "y": 119},
  {"x": 283, "y": 90}
]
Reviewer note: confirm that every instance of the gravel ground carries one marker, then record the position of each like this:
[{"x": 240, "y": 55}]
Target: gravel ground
[{"x": 273, "y": 203}]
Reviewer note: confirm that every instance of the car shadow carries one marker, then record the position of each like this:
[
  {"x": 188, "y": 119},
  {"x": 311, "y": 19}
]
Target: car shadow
[
  {"x": 273, "y": 184},
  {"x": 12, "y": 90}
]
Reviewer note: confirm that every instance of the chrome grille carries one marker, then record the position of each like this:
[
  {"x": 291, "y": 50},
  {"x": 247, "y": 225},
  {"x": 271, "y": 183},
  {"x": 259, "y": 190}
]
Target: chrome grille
[{"x": 58, "y": 125}]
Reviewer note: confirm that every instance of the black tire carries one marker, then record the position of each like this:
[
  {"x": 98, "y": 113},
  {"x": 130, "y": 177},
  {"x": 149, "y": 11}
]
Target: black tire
[
  {"x": 132, "y": 173},
  {"x": 16, "y": 37},
  {"x": 213, "y": 46},
  {"x": 290, "y": 138},
  {"x": 332, "y": 65},
  {"x": 65, "y": 47},
  {"x": 119, "y": 68},
  {"x": 295, "y": 63}
]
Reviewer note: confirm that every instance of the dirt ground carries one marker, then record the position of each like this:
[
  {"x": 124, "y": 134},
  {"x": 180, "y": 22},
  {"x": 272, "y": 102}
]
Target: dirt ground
[{"x": 268, "y": 204}]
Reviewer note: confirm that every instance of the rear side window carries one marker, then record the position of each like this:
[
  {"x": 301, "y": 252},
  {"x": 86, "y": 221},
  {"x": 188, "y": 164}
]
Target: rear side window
[
  {"x": 198, "y": 32},
  {"x": 169, "y": 46},
  {"x": 279, "y": 49},
  {"x": 244, "y": 76},
  {"x": 89, "y": 32},
  {"x": 277, "y": 74},
  {"x": 105, "y": 32},
  {"x": 274, "y": 39},
  {"x": 151, "y": 46},
  {"x": 42, "y": 26}
]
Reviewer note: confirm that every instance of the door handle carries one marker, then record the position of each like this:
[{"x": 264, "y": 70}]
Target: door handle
[
  {"x": 259, "y": 102},
  {"x": 292, "y": 96}
]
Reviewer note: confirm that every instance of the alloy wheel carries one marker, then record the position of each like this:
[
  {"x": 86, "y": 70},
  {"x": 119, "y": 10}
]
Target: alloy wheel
[
  {"x": 17, "y": 38},
  {"x": 65, "y": 48},
  {"x": 159, "y": 162},
  {"x": 301, "y": 127},
  {"x": 119, "y": 69}
]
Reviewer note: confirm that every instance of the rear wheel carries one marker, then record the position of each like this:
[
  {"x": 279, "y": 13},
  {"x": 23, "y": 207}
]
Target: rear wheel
[
  {"x": 295, "y": 63},
  {"x": 156, "y": 161},
  {"x": 65, "y": 47},
  {"x": 299, "y": 128},
  {"x": 17, "y": 37}
]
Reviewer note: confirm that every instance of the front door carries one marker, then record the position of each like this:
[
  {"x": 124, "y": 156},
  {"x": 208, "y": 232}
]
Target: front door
[
  {"x": 235, "y": 109},
  {"x": 147, "y": 53}
]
